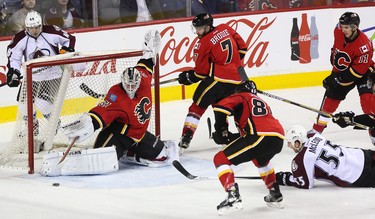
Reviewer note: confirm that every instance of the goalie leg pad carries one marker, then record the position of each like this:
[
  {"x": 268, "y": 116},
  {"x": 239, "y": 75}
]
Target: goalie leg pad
[{"x": 85, "y": 162}]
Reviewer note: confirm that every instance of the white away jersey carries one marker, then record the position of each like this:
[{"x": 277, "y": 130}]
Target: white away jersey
[
  {"x": 322, "y": 159},
  {"x": 24, "y": 47}
]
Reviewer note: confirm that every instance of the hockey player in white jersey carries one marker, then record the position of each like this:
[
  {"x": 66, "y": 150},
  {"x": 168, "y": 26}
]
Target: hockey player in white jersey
[
  {"x": 319, "y": 158},
  {"x": 38, "y": 40}
]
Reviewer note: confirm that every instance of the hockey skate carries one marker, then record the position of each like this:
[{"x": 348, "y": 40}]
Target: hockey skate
[
  {"x": 274, "y": 198},
  {"x": 185, "y": 140},
  {"x": 232, "y": 203}
]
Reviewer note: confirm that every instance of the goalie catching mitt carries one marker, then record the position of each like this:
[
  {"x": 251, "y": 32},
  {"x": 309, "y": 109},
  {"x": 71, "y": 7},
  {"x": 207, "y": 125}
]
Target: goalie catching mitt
[{"x": 82, "y": 128}]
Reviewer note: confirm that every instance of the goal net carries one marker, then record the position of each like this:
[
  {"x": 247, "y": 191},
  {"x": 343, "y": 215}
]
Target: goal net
[{"x": 56, "y": 91}]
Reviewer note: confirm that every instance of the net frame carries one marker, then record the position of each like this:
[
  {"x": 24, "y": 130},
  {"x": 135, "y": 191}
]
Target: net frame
[{"x": 74, "y": 58}]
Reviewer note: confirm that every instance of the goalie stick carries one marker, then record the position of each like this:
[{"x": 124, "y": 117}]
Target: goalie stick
[
  {"x": 67, "y": 152},
  {"x": 96, "y": 95},
  {"x": 307, "y": 107},
  {"x": 90, "y": 92},
  {"x": 188, "y": 175}
]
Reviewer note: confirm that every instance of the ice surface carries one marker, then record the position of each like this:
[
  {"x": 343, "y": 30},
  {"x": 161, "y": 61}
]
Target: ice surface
[{"x": 140, "y": 192}]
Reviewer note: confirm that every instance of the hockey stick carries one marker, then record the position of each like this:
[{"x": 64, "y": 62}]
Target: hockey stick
[
  {"x": 209, "y": 128},
  {"x": 67, "y": 151},
  {"x": 307, "y": 107},
  {"x": 167, "y": 81},
  {"x": 90, "y": 92},
  {"x": 188, "y": 175}
]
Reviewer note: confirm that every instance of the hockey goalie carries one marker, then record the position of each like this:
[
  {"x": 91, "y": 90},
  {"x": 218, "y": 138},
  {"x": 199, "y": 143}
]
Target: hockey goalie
[{"x": 122, "y": 118}]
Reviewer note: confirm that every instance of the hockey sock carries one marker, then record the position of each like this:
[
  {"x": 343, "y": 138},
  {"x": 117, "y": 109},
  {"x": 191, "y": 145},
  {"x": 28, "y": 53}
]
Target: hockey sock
[
  {"x": 225, "y": 172},
  {"x": 267, "y": 173}
]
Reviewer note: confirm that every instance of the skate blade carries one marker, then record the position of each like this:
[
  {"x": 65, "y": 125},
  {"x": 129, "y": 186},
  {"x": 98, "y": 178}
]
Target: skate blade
[
  {"x": 227, "y": 210},
  {"x": 278, "y": 205}
]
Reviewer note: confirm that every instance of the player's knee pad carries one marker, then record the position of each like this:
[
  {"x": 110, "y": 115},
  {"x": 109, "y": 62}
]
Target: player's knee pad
[
  {"x": 221, "y": 159},
  {"x": 330, "y": 105},
  {"x": 366, "y": 102}
]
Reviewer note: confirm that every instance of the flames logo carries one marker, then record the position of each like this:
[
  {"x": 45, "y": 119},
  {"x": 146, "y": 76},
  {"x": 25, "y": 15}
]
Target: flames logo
[
  {"x": 143, "y": 110},
  {"x": 341, "y": 60}
]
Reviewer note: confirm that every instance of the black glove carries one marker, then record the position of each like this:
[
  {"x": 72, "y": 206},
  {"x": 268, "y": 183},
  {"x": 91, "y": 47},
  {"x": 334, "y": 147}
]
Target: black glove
[
  {"x": 65, "y": 49},
  {"x": 343, "y": 119},
  {"x": 282, "y": 178},
  {"x": 13, "y": 77},
  {"x": 222, "y": 136},
  {"x": 331, "y": 82},
  {"x": 187, "y": 77}
]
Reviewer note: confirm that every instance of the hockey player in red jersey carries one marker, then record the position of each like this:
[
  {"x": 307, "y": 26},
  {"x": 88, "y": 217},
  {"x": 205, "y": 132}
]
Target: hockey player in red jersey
[
  {"x": 124, "y": 115},
  {"x": 259, "y": 139},
  {"x": 351, "y": 59},
  {"x": 319, "y": 158},
  {"x": 217, "y": 56}
]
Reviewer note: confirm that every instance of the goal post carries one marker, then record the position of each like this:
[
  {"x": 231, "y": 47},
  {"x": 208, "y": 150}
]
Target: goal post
[{"x": 61, "y": 88}]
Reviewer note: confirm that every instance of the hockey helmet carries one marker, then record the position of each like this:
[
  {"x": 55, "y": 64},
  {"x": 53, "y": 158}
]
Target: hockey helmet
[
  {"x": 296, "y": 134},
  {"x": 33, "y": 19},
  {"x": 203, "y": 19},
  {"x": 247, "y": 86},
  {"x": 349, "y": 18},
  {"x": 131, "y": 79}
]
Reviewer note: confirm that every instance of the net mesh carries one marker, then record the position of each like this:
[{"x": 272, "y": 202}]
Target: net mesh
[{"x": 61, "y": 94}]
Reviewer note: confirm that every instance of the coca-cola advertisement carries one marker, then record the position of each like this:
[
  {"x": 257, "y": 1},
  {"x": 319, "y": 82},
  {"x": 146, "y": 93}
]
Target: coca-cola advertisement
[{"x": 304, "y": 40}]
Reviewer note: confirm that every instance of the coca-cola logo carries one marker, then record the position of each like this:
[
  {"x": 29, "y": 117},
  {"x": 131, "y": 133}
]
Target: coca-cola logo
[
  {"x": 305, "y": 38},
  {"x": 177, "y": 51}
]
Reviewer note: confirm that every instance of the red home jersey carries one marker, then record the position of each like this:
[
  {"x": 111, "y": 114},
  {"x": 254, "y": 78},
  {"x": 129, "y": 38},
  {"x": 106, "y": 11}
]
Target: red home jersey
[
  {"x": 133, "y": 113},
  {"x": 251, "y": 114},
  {"x": 217, "y": 54},
  {"x": 355, "y": 56}
]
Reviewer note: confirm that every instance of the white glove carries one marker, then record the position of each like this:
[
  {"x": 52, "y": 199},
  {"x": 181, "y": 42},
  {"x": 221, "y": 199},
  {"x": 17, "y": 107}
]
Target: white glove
[
  {"x": 151, "y": 45},
  {"x": 82, "y": 128}
]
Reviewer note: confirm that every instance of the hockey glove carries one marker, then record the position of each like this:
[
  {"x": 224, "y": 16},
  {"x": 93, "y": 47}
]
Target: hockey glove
[
  {"x": 13, "y": 77},
  {"x": 187, "y": 77},
  {"x": 331, "y": 82},
  {"x": 223, "y": 136},
  {"x": 65, "y": 49},
  {"x": 283, "y": 178},
  {"x": 343, "y": 119}
]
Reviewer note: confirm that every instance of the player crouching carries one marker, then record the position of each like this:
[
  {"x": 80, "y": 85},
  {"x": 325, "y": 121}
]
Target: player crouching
[{"x": 123, "y": 118}]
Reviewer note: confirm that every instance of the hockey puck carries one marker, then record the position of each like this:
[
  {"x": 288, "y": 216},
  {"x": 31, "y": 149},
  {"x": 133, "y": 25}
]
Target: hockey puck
[{"x": 56, "y": 184}]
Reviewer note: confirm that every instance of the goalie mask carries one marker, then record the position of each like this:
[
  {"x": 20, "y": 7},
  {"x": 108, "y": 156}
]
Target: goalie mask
[
  {"x": 296, "y": 137},
  {"x": 131, "y": 79}
]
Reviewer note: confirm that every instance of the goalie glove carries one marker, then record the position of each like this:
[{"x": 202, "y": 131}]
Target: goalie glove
[
  {"x": 13, "y": 77},
  {"x": 151, "y": 45},
  {"x": 283, "y": 178},
  {"x": 187, "y": 77},
  {"x": 343, "y": 119},
  {"x": 82, "y": 128}
]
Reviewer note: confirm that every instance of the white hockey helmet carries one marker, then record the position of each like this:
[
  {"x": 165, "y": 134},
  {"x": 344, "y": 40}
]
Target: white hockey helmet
[
  {"x": 33, "y": 19},
  {"x": 296, "y": 134},
  {"x": 131, "y": 79}
]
